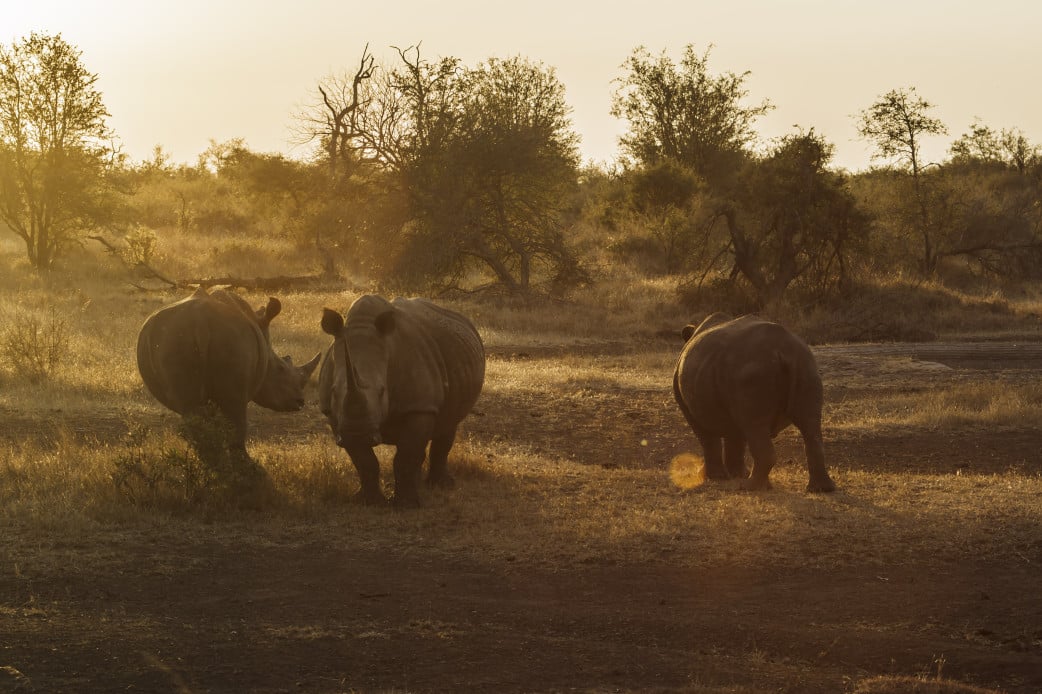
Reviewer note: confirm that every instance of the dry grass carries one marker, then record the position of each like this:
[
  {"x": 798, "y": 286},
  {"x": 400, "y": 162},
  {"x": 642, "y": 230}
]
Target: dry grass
[
  {"x": 566, "y": 464},
  {"x": 545, "y": 507},
  {"x": 915, "y": 685},
  {"x": 550, "y": 511}
]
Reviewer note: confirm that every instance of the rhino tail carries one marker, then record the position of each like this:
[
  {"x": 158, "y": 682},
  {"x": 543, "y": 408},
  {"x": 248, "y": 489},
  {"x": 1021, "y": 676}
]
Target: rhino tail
[{"x": 800, "y": 386}]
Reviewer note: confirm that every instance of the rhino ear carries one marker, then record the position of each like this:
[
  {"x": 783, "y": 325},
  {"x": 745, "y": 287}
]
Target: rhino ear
[
  {"x": 266, "y": 314},
  {"x": 385, "y": 322},
  {"x": 273, "y": 308},
  {"x": 687, "y": 332},
  {"x": 332, "y": 322}
]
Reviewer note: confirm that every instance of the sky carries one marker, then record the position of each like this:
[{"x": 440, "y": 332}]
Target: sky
[{"x": 182, "y": 73}]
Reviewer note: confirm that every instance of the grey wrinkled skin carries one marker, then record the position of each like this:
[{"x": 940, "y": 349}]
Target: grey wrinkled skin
[
  {"x": 404, "y": 373},
  {"x": 738, "y": 383},
  {"x": 212, "y": 348}
]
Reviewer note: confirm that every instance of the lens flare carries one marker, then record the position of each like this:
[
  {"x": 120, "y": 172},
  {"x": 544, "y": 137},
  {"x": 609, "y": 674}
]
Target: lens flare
[{"x": 687, "y": 471}]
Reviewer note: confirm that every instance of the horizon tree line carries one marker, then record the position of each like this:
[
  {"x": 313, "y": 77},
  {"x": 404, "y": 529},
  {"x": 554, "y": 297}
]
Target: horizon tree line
[{"x": 435, "y": 174}]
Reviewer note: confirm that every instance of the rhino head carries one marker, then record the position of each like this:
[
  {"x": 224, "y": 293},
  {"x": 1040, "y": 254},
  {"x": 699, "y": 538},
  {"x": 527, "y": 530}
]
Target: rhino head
[
  {"x": 282, "y": 389},
  {"x": 358, "y": 400}
]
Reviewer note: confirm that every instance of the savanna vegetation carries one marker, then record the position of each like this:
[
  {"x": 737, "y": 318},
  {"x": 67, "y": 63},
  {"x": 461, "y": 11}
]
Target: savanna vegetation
[{"x": 580, "y": 548}]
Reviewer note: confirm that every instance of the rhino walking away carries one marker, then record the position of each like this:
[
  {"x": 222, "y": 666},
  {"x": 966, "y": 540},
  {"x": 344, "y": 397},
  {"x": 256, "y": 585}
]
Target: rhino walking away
[
  {"x": 741, "y": 381},
  {"x": 213, "y": 349},
  {"x": 403, "y": 373}
]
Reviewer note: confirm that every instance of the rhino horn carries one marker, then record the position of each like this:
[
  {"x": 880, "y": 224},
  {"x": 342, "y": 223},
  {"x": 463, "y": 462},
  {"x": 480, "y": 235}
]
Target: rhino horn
[{"x": 307, "y": 369}]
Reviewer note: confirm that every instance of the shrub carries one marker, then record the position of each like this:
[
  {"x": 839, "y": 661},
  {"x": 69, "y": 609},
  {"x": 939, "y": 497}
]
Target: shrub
[
  {"x": 33, "y": 347},
  {"x": 140, "y": 246},
  {"x": 205, "y": 472}
]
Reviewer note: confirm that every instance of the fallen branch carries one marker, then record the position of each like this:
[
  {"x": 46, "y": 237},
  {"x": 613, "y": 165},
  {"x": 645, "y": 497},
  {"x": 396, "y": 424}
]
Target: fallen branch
[
  {"x": 281, "y": 282},
  {"x": 140, "y": 266},
  {"x": 256, "y": 283}
]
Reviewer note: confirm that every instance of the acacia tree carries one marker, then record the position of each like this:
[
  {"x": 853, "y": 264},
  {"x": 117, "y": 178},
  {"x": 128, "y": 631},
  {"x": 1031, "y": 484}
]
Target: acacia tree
[
  {"x": 685, "y": 113},
  {"x": 896, "y": 124},
  {"x": 53, "y": 145}
]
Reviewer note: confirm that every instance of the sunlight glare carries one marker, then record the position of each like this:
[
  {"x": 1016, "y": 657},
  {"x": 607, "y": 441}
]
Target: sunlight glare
[{"x": 687, "y": 471}]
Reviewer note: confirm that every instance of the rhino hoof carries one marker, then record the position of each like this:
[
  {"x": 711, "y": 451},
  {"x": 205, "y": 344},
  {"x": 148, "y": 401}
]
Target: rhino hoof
[
  {"x": 402, "y": 503},
  {"x": 370, "y": 498},
  {"x": 754, "y": 485},
  {"x": 441, "y": 482},
  {"x": 821, "y": 486}
]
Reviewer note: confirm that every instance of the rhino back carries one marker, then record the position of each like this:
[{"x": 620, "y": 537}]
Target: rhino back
[
  {"x": 199, "y": 349},
  {"x": 747, "y": 368},
  {"x": 438, "y": 363}
]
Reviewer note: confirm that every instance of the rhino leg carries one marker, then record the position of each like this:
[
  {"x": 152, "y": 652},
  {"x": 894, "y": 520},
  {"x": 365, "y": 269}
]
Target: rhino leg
[
  {"x": 713, "y": 451},
  {"x": 762, "y": 450},
  {"x": 408, "y": 460},
  {"x": 368, "y": 467},
  {"x": 438, "y": 475},
  {"x": 815, "y": 449},
  {"x": 235, "y": 412},
  {"x": 734, "y": 457},
  {"x": 237, "y": 438}
]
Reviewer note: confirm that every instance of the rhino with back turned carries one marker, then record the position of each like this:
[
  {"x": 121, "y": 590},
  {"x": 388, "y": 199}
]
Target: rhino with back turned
[
  {"x": 739, "y": 382},
  {"x": 212, "y": 348}
]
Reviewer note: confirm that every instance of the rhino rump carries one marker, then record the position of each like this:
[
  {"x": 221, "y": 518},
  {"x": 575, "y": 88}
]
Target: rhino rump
[
  {"x": 203, "y": 348},
  {"x": 746, "y": 373}
]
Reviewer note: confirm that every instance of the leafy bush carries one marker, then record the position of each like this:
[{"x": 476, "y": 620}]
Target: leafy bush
[
  {"x": 205, "y": 472},
  {"x": 140, "y": 246},
  {"x": 31, "y": 346}
]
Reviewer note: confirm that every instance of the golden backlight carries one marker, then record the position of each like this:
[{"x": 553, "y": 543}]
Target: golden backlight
[{"x": 687, "y": 471}]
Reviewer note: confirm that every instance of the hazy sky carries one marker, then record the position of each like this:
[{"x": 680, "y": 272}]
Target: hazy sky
[{"x": 181, "y": 73}]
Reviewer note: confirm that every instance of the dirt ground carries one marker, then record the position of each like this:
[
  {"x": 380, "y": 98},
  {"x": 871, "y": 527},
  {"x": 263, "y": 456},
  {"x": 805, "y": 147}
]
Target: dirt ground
[{"x": 225, "y": 609}]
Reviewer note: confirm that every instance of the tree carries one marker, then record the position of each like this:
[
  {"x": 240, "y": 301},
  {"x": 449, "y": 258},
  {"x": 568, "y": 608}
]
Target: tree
[
  {"x": 897, "y": 123},
  {"x": 667, "y": 200},
  {"x": 683, "y": 112},
  {"x": 513, "y": 163},
  {"x": 332, "y": 121},
  {"x": 485, "y": 160},
  {"x": 54, "y": 145},
  {"x": 1017, "y": 151},
  {"x": 793, "y": 219},
  {"x": 1009, "y": 147},
  {"x": 979, "y": 144}
]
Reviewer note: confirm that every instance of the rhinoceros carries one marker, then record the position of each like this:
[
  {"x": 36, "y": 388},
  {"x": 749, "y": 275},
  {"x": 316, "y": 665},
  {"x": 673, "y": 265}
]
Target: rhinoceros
[
  {"x": 405, "y": 373},
  {"x": 742, "y": 381},
  {"x": 212, "y": 348}
]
